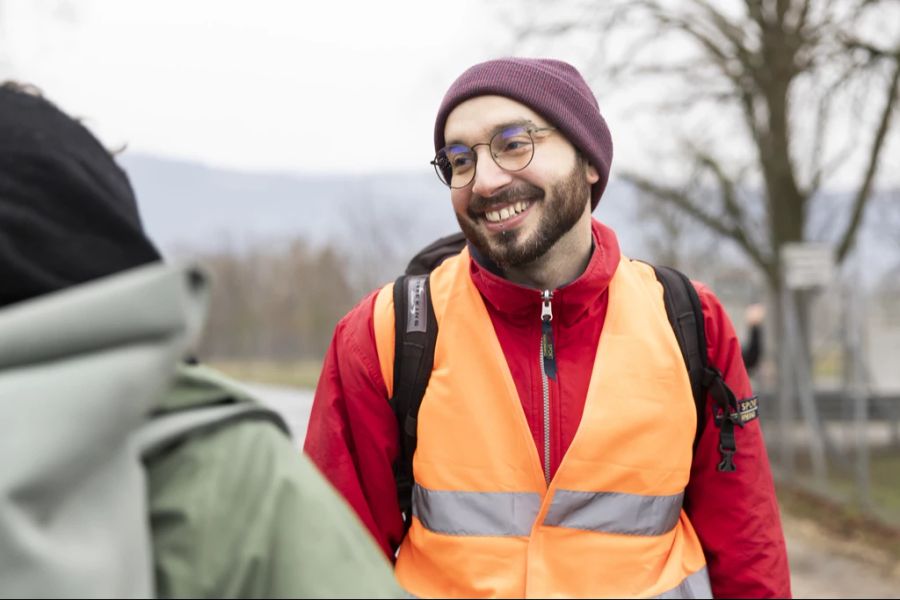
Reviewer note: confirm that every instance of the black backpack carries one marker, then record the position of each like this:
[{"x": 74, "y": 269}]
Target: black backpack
[{"x": 416, "y": 331}]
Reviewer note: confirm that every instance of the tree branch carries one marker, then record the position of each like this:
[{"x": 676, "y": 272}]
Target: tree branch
[
  {"x": 819, "y": 167},
  {"x": 801, "y": 18},
  {"x": 721, "y": 59},
  {"x": 781, "y": 10},
  {"x": 726, "y": 188},
  {"x": 733, "y": 33},
  {"x": 755, "y": 10},
  {"x": 681, "y": 200},
  {"x": 855, "y": 43},
  {"x": 865, "y": 188}
]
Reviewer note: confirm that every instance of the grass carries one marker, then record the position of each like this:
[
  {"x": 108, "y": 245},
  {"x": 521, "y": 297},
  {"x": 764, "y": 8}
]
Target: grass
[
  {"x": 839, "y": 509},
  {"x": 884, "y": 477},
  {"x": 841, "y": 520},
  {"x": 303, "y": 374},
  {"x": 828, "y": 364}
]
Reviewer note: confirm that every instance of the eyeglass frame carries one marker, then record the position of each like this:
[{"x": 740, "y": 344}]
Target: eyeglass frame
[{"x": 530, "y": 129}]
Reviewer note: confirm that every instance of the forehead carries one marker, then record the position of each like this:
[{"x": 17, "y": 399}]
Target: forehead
[{"x": 475, "y": 118}]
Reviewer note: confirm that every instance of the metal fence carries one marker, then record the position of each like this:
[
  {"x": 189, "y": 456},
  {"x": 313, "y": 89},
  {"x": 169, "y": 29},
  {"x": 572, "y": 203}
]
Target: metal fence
[{"x": 837, "y": 434}]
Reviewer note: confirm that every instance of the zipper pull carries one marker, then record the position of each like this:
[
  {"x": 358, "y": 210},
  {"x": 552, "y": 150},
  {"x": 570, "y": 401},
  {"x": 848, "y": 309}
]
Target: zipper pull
[{"x": 548, "y": 353}]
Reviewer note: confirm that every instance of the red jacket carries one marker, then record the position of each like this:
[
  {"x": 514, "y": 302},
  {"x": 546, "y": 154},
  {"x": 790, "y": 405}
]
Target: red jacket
[{"x": 353, "y": 436}]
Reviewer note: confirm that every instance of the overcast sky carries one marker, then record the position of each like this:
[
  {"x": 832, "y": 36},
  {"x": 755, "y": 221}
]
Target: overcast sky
[
  {"x": 327, "y": 86},
  {"x": 297, "y": 86}
]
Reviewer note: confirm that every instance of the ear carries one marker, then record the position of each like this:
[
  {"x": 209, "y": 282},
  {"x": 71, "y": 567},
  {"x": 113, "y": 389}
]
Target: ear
[{"x": 590, "y": 173}]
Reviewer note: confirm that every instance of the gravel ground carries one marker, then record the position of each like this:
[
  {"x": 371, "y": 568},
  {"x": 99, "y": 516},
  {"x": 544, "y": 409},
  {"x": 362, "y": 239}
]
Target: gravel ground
[{"x": 824, "y": 565}]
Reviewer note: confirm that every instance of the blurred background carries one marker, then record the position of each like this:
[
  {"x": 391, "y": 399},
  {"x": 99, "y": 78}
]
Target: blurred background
[{"x": 285, "y": 146}]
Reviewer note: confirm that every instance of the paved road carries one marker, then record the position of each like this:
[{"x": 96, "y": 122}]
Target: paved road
[
  {"x": 293, "y": 404},
  {"x": 822, "y": 566},
  {"x": 825, "y": 566}
]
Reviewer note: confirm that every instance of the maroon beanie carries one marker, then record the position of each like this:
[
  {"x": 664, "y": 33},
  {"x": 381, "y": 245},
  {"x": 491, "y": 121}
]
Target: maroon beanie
[{"x": 550, "y": 87}]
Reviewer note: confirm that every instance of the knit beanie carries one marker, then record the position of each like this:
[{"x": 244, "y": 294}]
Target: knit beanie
[
  {"x": 68, "y": 214},
  {"x": 554, "y": 89}
]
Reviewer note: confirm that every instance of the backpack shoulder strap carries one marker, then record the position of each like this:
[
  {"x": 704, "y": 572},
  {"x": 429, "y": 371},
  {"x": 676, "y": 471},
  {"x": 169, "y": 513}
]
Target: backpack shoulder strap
[
  {"x": 414, "y": 340},
  {"x": 685, "y": 314},
  {"x": 686, "y": 317},
  {"x": 432, "y": 255}
]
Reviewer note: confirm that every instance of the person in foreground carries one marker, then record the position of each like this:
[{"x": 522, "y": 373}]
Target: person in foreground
[
  {"x": 93, "y": 327},
  {"x": 555, "y": 436}
]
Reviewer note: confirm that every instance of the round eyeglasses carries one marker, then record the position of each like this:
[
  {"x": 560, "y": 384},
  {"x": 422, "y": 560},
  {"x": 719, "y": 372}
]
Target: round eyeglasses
[{"x": 512, "y": 148}]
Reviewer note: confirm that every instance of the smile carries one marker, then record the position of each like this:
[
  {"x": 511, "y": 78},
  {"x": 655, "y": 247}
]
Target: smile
[{"x": 507, "y": 212}]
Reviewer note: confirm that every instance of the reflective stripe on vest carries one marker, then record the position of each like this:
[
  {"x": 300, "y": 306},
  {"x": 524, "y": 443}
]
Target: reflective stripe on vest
[
  {"x": 475, "y": 513},
  {"x": 610, "y": 522},
  {"x": 513, "y": 513},
  {"x": 695, "y": 585}
]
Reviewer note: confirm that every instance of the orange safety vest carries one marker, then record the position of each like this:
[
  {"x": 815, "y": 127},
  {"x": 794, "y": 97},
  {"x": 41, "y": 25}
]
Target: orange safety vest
[{"x": 610, "y": 523}]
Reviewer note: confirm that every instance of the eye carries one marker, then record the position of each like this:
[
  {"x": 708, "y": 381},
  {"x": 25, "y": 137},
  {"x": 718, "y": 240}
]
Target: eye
[
  {"x": 461, "y": 161},
  {"x": 513, "y": 145},
  {"x": 460, "y": 158},
  {"x": 511, "y": 142}
]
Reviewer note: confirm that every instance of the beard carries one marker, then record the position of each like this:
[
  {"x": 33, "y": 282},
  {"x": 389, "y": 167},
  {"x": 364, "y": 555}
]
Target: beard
[{"x": 563, "y": 207}]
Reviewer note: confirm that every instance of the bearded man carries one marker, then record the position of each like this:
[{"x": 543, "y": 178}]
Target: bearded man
[{"x": 555, "y": 453}]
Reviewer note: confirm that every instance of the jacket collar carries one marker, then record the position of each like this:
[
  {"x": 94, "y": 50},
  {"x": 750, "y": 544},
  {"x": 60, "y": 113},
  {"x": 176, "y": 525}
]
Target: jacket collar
[{"x": 570, "y": 302}]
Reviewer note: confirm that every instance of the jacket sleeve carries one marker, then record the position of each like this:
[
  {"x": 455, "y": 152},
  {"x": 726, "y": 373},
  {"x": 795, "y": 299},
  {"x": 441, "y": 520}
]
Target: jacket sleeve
[
  {"x": 735, "y": 514},
  {"x": 239, "y": 513},
  {"x": 352, "y": 435}
]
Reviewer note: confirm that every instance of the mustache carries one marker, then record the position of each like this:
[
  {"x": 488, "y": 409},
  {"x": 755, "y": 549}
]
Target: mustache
[{"x": 523, "y": 191}]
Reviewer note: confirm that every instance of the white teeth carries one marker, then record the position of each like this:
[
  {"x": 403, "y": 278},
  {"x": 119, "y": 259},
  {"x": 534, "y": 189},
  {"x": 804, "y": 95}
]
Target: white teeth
[{"x": 506, "y": 212}]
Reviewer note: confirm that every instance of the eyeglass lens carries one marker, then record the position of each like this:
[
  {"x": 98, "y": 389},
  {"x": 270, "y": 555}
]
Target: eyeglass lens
[{"x": 511, "y": 148}]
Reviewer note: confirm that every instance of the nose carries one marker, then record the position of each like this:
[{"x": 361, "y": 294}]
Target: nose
[{"x": 489, "y": 177}]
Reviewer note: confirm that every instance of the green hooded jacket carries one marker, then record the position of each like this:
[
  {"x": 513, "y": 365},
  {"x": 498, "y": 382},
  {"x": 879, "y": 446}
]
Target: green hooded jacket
[
  {"x": 263, "y": 523},
  {"x": 89, "y": 509}
]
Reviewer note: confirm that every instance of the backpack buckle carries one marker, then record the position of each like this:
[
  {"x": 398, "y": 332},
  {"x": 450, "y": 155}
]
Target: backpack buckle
[{"x": 727, "y": 463}]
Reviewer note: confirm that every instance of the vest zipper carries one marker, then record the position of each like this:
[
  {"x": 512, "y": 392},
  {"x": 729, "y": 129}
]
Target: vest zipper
[{"x": 548, "y": 370}]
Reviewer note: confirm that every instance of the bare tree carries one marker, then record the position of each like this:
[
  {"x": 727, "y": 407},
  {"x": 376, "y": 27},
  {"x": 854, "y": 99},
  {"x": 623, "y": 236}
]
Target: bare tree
[
  {"x": 672, "y": 238},
  {"x": 763, "y": 101},
  {"x": 275, "y": 302}
]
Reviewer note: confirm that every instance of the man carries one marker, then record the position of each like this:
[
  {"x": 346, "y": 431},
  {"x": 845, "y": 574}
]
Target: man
[
  {"x": 92, "y": 325},
  {"x": 554, "y": 452}
]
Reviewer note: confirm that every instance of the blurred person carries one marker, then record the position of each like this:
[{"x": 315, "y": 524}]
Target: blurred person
[
  {"x": 93, "y": 327},
  {"x": 554, "y": 454},
  {"x": 752, "y": 348}
]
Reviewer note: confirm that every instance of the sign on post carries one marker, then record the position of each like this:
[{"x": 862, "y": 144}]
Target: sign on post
[{"x": 807, "y": 264}]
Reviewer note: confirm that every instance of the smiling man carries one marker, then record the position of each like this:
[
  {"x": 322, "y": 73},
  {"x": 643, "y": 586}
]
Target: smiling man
[{"x": 559, "y": 448}]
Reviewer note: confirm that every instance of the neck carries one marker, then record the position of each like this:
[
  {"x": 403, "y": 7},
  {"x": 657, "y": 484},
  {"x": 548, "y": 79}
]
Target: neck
[{"x": 563, "y": 263}]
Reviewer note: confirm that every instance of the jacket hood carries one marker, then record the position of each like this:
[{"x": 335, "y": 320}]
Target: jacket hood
[{"x": 80, "y": 370}]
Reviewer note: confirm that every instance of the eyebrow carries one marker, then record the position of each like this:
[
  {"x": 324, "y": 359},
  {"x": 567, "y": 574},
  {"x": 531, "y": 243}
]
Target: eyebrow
[{"x": 497, "y": 129}]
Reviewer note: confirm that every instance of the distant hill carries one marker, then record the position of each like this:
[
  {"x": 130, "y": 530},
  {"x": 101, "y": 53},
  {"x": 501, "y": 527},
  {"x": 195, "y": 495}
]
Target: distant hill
[
  {"x": 189, "y": 207},
  {"x": 192, "y": 204}
]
